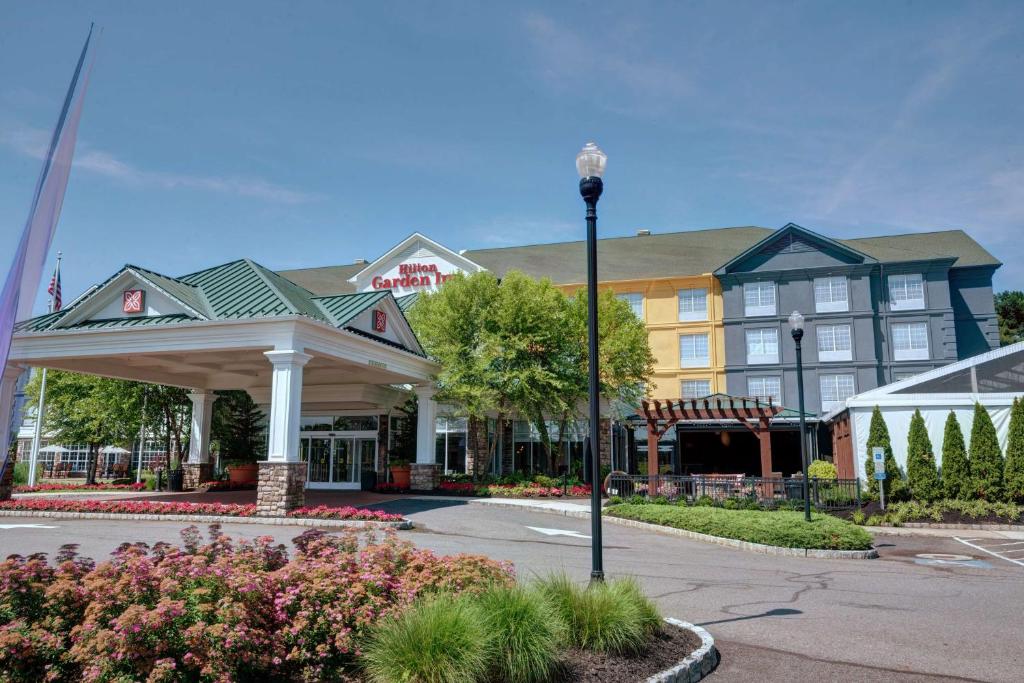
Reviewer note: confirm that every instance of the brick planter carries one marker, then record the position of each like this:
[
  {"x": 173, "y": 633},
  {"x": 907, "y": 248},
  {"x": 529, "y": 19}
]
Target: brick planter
[{"x": 281, "y": 487}]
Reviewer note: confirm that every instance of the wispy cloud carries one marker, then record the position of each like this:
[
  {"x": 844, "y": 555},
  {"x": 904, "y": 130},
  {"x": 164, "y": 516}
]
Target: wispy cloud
[
  {"x": 563, "y": 55},
  {"x": 32, "y": 142},
  {"x": 510, "y": 231}
]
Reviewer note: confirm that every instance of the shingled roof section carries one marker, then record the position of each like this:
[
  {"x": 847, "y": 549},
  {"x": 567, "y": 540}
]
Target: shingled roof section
[{"x": 325, "y": 280}]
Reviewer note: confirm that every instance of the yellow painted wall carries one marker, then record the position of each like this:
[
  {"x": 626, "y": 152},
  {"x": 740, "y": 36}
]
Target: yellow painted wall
[{"x": 661, "y": 314}]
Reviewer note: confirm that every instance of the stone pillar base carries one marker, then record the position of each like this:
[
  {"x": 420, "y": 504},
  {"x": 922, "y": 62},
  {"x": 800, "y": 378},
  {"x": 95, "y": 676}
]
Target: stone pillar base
[
  {"x": 424, "y": 476},
  {"x": 197, "y": 473},
  {"x": 281, "y": 487}
]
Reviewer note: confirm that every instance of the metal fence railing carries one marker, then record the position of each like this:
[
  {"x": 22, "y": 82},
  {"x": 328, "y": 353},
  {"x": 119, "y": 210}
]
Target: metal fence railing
[{"x": 825, "y": 494}]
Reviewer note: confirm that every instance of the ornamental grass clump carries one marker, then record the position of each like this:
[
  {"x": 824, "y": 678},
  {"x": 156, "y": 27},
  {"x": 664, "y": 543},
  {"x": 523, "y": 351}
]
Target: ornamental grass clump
[
  {"x": 604, "y": 617},
  {"x": 435, "y": 641},
  {"x": 527, "y": 633}
]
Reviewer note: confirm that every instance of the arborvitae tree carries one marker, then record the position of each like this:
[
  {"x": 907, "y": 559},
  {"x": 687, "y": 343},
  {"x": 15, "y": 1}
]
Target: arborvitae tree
[
  {"x": 1013, "y": 478},
  {"x": 985, "y": 457},
  {"x": 921, "y": 473},
  {"x": 956, "y": 470},
  {"x": 878, "y": 435}
]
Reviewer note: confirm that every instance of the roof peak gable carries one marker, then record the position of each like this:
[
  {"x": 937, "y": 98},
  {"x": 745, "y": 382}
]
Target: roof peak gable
[{"x": 797, "y": 236}]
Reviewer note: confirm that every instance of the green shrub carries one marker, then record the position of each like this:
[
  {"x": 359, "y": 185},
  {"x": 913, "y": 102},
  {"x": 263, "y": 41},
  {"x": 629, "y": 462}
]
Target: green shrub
[
  {"x": 614, "y": 500},
  {"x": 780, "y": 528},
  {"x": 434, "y": 641},
  {"x": 858, "y": 517},
  {"x": 822, "y": 469},
  {"x": 603, "y": 617},
  {"x": 878, "y": 435},
  {"x": 704, "y": 501},
  {"x": 20, "y": 473},
  {"x": 659, "y": 500},
  {"x": 956, "y": 469},
  {"x": 637, "y": 499},
  {"x": 1013, "y": 475},
  {"x": 550, "y": 482},
  {"x": 985, "y": 457},
  {"x": 526, "y": 631},
  {"x": 922, "y": 476}
]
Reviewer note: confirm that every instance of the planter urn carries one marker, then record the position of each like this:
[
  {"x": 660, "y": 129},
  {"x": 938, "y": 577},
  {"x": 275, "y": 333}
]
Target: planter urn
[{"x": 401, "y": 476}]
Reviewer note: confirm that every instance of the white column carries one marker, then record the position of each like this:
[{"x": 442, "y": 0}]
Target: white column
[
  {"x": 285, "y": 405},
  {"x": 426, "y": 424},
  {"x": 202, "y": 415},
  {"x": 8, "y": 384}
]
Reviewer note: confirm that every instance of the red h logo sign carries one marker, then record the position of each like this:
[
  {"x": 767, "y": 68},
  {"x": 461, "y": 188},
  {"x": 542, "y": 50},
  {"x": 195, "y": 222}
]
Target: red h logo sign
[
  {"x": 133, "y": 301},
  {"x": 380, "y": 321}
]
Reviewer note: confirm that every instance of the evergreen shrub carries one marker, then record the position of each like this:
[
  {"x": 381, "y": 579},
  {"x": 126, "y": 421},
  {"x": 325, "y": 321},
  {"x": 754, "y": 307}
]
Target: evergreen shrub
[
  {"x": 922, "y": 476},
  {"x": 1013, "y": 475},
  {"x": 985, "y": 457},
  {"x": 956, "y": 469}
]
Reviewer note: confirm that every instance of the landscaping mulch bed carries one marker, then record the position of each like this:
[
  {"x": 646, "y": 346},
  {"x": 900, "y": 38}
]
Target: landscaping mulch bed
[
  {"x": 670, "y": 647},
  {"x": 948, "y": 516}
]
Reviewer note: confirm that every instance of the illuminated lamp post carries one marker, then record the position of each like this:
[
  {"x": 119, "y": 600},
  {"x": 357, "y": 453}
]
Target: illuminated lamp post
[
  {"x": 590, "y": 164},
  {"x": 796, "y": 323}
]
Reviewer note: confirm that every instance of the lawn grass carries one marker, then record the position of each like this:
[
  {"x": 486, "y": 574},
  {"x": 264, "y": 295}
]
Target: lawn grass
[{"x": 781, "y": 528}]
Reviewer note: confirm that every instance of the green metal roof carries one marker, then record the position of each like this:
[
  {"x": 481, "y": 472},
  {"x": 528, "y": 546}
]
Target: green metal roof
[
  {"x": 139, "y": 321},
  {"x": 406, "y": 302},
  {"x": 343, "y": 308},
  {"x": 188, "y": 294},
  {"x": 41, "y": 322}
]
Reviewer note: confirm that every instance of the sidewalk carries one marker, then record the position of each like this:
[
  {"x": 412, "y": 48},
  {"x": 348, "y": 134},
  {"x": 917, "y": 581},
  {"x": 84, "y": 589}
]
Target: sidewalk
[{"x": 945, "y": 533}]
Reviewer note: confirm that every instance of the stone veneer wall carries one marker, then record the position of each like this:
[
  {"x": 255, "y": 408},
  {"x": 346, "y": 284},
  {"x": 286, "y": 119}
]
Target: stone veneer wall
[
  {"x": 281, "y": 487},
  {"x": 424, "y": 476},
  {"x": 197, "y": 473}
]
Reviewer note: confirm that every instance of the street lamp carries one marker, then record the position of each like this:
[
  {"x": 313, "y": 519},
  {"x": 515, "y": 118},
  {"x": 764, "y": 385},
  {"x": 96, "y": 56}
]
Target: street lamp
[
  {"x": 796, "y": 322},
  {"x": 590, "y": 164}
]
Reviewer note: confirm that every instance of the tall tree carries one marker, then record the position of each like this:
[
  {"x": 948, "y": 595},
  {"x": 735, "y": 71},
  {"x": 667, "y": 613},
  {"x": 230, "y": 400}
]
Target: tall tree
[
  {"x": 1010, "y": 310},
  {"x": 985, "y": 457},
  {"x": 1013, "y": 475},
  {"x": 922, "y": 477},
  {"x": 91, "y": 410},
  {"x": 878, "y": 435},
  {"x": 518, "y": 346},
  {"x": 956, "y": 468},
  {"x": 237, "y": 426}
]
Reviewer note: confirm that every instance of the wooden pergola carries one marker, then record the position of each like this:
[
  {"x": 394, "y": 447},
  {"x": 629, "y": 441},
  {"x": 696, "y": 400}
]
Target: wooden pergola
[{"x": 663, "y": 414}]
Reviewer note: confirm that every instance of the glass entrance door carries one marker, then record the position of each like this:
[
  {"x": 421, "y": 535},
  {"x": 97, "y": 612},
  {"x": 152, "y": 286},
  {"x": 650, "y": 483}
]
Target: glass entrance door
[{"x": 336, "y": 461}]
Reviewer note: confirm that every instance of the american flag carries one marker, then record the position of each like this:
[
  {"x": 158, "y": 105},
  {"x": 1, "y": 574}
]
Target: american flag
[{"x": 54, "y": 288}]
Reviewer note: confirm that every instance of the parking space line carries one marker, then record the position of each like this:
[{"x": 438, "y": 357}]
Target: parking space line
[
  {"x": 990, "y": 552},
  {"x": 1013, "y": 543}
]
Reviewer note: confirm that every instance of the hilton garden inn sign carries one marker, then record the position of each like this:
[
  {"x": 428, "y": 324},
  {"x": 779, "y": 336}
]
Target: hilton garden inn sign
[{"x": 416, "y": 264}]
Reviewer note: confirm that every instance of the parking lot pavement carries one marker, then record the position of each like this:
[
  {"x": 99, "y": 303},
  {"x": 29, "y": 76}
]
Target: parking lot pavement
[{"x": 1007, "y": 549}]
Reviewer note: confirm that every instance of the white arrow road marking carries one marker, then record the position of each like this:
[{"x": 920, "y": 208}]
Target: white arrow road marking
[
  {"x": 557, "y": 532},
  {"x": 27, "y": 526}
]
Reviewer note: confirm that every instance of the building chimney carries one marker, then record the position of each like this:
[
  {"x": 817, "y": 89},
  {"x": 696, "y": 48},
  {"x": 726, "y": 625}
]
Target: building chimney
[
  {"x": 360, "y": 262},
  {"x": 643, "y": 233}
]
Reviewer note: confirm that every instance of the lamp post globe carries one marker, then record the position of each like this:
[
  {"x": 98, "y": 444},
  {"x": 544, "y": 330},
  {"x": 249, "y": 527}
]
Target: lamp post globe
[
  {"x": 796, "y": 324},
  {"x": 590, "y": 164}
]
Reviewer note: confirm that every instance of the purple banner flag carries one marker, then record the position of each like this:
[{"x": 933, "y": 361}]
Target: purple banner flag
[{"x": 23, "y": 279}]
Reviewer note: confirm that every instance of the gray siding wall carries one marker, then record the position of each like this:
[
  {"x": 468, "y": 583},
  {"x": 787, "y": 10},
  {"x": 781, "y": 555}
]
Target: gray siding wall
[
  {"x": 974, "y": 313},
  {"x": 959, "y": 313}
]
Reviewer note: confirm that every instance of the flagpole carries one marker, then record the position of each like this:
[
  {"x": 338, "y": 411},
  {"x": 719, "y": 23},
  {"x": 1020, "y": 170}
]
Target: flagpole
[{"x": 41, "y": 407}]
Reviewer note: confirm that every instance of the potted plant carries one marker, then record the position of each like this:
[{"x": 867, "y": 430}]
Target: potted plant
[
  {"x": 401, "y": 473},
  {"x": 243, "y": 472}
]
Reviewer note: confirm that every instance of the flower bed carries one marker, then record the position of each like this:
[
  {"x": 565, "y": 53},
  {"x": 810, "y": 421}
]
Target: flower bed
[
  {"x": 136, "y": 507},
  {"x": 227, "y": 485},
  {"x": 220, "y": 610},
  {"x": 140, "y": 486},
  {"x": 524, "y": 490}
]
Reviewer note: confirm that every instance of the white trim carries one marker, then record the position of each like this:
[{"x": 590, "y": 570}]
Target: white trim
[{"x": 440, "y": 249}]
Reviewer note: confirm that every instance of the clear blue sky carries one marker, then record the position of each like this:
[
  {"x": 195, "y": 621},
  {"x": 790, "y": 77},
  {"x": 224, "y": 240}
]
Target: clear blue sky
[{"x": 303, "y": 134}]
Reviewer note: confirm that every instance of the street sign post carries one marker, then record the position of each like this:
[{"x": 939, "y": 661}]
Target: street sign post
[{"x": 878, "y": 455}]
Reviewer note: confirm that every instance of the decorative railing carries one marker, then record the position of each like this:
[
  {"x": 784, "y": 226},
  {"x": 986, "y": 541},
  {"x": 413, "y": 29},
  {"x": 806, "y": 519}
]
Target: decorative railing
[{"x": 825, "y": 494}]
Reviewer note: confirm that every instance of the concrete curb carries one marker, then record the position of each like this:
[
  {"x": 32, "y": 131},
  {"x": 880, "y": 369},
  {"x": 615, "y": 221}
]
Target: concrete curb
[
  {"x": 697, "y": 665},
  {"x": 214, "y": 519},
  {"x": 759, "y": 548},
  {"x": 529, "y": 508}
]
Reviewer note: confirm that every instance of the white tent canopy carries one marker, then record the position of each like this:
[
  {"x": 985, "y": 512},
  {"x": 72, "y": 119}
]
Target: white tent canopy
[{"x": 992, "y": 379}]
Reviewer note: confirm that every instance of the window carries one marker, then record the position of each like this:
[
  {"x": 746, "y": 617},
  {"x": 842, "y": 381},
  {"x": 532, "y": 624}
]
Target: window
[
  {"x": 763, "y": 388},
  {"x": 763, "y": 346},
  {"x": 759, "y": 298},
  {"x": 906, "y": 292},
  {"x": 834, "y": 342},
  {"x": 696, "y": 388},
  {"x": 693, "y": 304},
  {"x": 831, "y": 294},
  {"x": 910, "y": 341},
  {"x": 834, "y": 390},
  {"x": 900, "y": 376},
  {"x": 693, "y": 351},
  {"x": 635, "y": 301}
]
